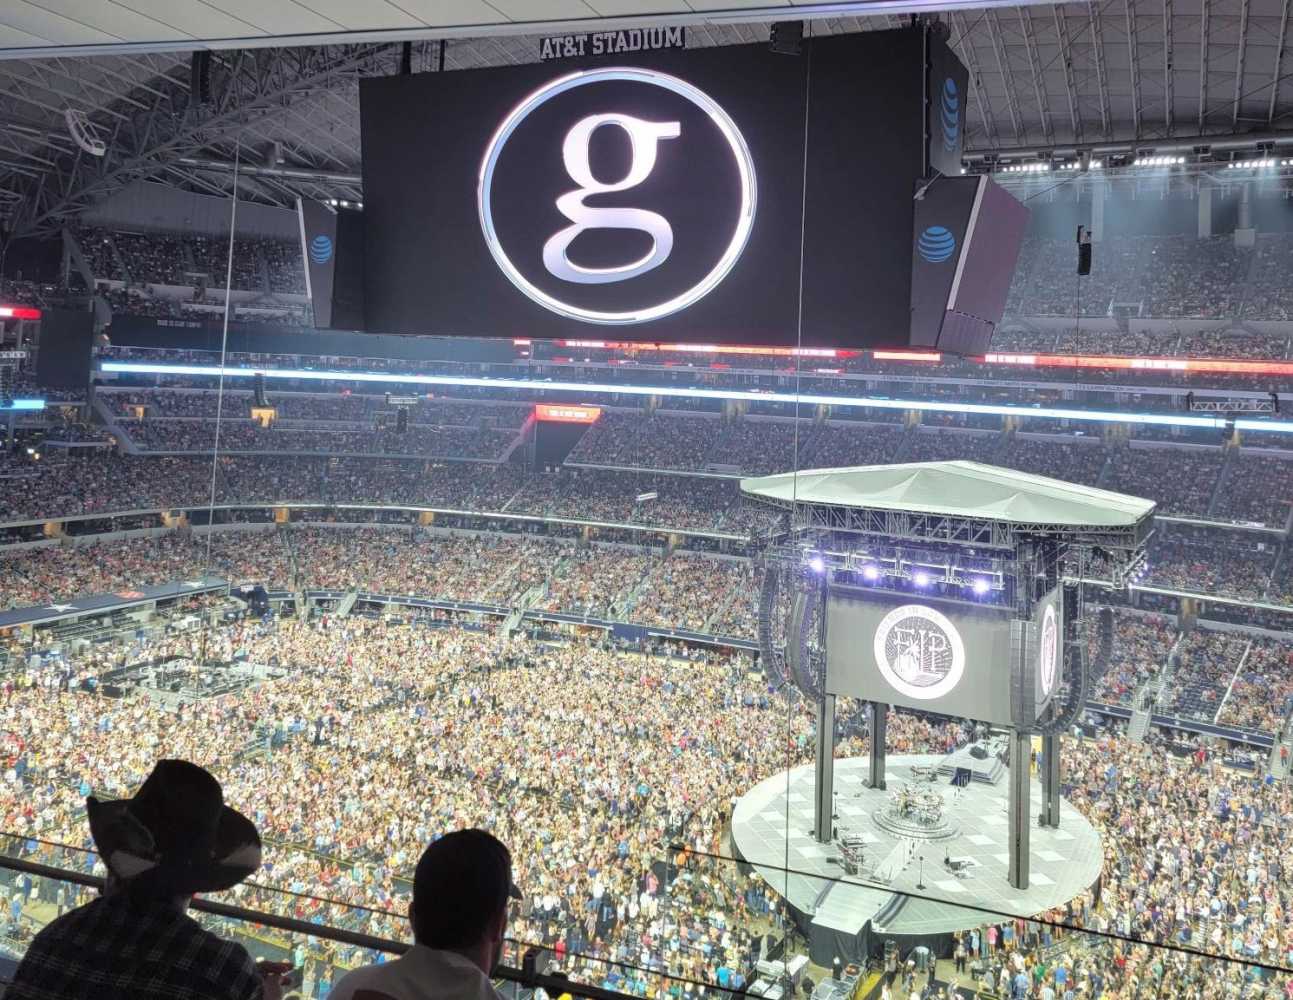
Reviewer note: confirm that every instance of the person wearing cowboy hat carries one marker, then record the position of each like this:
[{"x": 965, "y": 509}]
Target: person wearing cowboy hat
[{"x": 174, "y": 838}]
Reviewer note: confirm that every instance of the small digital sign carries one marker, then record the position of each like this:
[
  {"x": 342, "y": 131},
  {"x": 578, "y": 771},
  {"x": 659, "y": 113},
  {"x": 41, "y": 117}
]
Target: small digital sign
[{"x": 564, "y": 414}]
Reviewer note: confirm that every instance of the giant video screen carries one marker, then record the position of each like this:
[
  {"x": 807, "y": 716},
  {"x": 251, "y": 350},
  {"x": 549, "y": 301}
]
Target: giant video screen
[
  {"x": 939, "y": 656},
  {"x": 658, "y": 196}
]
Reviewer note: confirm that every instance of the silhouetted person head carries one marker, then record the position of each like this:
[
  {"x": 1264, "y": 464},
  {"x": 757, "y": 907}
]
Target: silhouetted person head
[{"x": 461, "y": 889}]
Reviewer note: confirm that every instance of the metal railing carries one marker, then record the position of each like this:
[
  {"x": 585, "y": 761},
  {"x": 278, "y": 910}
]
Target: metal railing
[{"x": 526, "y": 977}]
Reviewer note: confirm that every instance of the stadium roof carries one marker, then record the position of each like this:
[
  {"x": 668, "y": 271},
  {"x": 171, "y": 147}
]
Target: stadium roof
[
  {"x": 955, "y": 489},
  {"x": 1042, "y": 77}
]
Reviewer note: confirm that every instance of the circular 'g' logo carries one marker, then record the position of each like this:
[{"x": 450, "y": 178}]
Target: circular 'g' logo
[
  {"x": 617, "y": 195},
  {"x": 919, "y": 651},
  {"x": 1048, "y": 657}
]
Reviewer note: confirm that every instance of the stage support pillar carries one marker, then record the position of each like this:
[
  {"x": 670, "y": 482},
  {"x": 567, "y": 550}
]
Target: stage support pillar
[
  {"x": 879, "y": 735},
  {"x": 1020, "y": 807},
  {"x": 1051, "y": 780},
  {"x": 823, "y": 799}
]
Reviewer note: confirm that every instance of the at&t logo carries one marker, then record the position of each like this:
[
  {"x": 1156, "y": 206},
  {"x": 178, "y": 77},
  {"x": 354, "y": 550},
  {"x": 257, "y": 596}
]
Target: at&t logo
[
  {"x": 320, "y": 249},
  {"x": 950, "y": 115},
  {"x": 936, "y": 244},
  {"x": 616, "y": 196},
  {"x": 919, "y": 651}
]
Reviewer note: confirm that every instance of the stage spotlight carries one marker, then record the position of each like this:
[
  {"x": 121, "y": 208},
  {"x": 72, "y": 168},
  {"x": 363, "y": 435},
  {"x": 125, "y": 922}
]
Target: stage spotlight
[
  {"x": 817, "y": 564},
  {"x": 921, "y": 579},
  {"x": 870, "y": 574},
  {"x": 979, "y": 586}
]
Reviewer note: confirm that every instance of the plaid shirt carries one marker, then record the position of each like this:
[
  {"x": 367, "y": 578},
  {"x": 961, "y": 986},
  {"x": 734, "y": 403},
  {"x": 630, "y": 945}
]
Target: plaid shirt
[{"x": 118, "y": 949}]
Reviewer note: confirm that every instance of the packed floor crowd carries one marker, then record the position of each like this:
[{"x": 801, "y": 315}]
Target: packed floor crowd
[
  {"x": 692, "y": 591},
  {"x": 593, "y": 763}
]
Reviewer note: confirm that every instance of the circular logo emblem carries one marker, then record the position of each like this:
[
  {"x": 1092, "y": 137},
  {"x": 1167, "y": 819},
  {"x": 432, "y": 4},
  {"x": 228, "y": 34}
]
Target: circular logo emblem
[
  {"x": 617, "y": 195},
  {"x": 1048, "y": 657},
  {"x": 950, "y": 115},
  {"x": 936, "y": 244},
  {"x": 919, "y": 651},
  {"x": 320, "y": 249}
]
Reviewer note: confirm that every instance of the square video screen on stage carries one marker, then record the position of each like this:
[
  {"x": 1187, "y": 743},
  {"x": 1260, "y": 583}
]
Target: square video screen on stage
[
  {"x": 906, "y": 650},
  {"x": 650, "y": 196}
]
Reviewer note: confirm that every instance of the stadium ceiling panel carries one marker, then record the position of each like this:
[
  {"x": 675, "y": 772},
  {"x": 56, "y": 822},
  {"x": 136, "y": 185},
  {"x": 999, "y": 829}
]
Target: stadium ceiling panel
[{"x": 1042, "y": 77}]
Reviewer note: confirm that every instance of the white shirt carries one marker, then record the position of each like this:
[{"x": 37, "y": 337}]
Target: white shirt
[{"x": 421, "y": 973}]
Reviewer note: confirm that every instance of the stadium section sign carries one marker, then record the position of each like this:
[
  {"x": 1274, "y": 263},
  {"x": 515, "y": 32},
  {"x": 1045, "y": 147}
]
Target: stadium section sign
[{"x": 611, "y": 43}]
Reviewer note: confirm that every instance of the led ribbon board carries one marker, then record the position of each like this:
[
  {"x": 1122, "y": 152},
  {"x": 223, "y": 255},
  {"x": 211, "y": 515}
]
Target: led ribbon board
[{"x": 531, "y": 386}]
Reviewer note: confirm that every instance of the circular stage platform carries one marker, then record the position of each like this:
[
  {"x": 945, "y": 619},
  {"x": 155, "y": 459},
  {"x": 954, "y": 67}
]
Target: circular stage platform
[{"x": 970, "y": 829}]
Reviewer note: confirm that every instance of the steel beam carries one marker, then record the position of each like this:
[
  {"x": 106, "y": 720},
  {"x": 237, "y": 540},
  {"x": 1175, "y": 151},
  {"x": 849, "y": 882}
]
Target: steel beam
[
  {"x": 1007, "y": 74},
  {"x": 1278, "y": 77},
  {"x": 1133, "y": 64},
  {"x": 1066, "y": 57},
  {"x": 1035, "y": 65},
  {"x": 1240, "y": 54},
  {"x": 879, "y": 737},
  {"x": 1019, "y": 807},
  {"x": 1050, "y": 768},
  {"x": 824, "y": 772},
  {"x": 1101, "y": 70},
  {"x": 1205, "y": 30},
  {"x": 971, "y": 58},
  {"x": 1169, "y": 96},
  {"x": 273, "y": 80}
]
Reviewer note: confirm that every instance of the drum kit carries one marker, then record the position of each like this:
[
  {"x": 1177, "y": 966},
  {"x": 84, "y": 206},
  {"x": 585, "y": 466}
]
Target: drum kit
[{"x": 922, "y": 805}]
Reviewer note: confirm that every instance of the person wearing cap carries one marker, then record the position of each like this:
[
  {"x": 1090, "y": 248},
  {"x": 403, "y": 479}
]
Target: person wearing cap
[
  {"x": 461, "y": 888},
  {"x": 176, "y": 837}
]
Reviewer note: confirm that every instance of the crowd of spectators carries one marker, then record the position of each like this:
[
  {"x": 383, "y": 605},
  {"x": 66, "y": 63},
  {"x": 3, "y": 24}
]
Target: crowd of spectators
[
  {"x": 1140, "y": 647},
  {"x": 597, "y": 766},
  {"x": 1259, "y": 490},
  {"x": 345, "y": 407},
  {"x": 246, "y": 435},
  {"x": 59, "y": 571},
  {"x": 1204, "y": 664},
  {"x": 1075, "y": 460},
  {"x": 1228, "y": 564},
  {"x": 1269, "y": 297},
  {"x": 1262, "y": 694},
  {"x": 690, "y": 443},
  {"x": 1181, "y": 480},
  {"x": 159, "y": 258}
]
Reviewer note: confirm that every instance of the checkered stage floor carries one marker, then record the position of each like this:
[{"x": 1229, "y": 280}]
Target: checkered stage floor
[{"x": 1063, "y": 861}]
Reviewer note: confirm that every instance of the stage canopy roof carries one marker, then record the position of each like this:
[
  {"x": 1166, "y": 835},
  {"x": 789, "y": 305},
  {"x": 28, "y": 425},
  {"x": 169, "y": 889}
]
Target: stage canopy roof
[{"x": 954, "y": 489}]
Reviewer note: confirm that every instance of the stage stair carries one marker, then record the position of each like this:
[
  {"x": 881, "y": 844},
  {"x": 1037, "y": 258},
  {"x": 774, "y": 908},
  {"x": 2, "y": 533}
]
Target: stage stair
[{"x": 987, "y": 769}]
